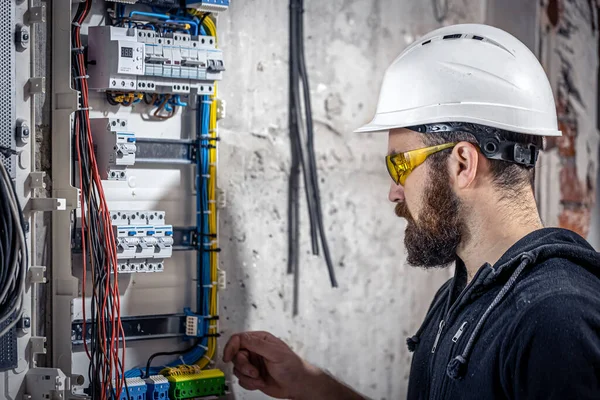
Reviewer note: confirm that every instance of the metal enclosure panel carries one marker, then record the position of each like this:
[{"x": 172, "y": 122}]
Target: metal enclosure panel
[
  {"x": 7, "y": 80},
  {"x": 17, "y": 94},
  {"x": 64, "y": 103},
  {"x": 8, "y": 342}
]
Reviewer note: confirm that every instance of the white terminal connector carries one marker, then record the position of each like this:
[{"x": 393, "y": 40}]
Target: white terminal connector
[
  {"x": 157, "y": 380},
  {"x": 222, "y": 280},
  {"x": 135, "y": 382},
  {"x": 191, "y": 325},
  {"x": 136, "y": 387},
  {"x": 221, "y": 109},
  {"x": 221, "y": 198}
]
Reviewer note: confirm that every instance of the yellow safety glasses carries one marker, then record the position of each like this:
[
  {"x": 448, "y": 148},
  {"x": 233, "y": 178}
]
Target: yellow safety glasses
[{"x": 401, "y": 165}]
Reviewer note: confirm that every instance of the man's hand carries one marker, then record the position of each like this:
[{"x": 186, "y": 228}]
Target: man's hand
[{"x": 263, "y": 362}]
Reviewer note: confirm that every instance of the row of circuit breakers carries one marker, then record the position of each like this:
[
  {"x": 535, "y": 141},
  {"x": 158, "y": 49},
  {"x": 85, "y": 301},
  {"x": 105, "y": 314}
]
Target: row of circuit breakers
[
  {"x": 142, "y": 60},
  {"x": 143, "y": 238}
]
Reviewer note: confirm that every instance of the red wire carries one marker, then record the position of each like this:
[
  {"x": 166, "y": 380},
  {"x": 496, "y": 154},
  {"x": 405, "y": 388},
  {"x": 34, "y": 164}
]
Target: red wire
[
  {"x": 112, "y": 313},
  {"x": 83, "y": 247}
]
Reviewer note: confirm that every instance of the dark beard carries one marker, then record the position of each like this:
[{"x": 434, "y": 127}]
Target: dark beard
[{"x": 432, "y": 241}]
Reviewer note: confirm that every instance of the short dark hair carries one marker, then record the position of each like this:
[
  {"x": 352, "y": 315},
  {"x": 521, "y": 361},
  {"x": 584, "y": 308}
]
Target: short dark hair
[{"x": 508, "y": 176}]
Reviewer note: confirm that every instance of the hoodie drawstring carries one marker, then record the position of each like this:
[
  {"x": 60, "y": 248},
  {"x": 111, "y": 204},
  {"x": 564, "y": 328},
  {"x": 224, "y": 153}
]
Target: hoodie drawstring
[{"x": 458, "y": 365}]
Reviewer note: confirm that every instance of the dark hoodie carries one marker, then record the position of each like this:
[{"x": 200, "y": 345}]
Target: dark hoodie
[{"x": 526, "y": 328}]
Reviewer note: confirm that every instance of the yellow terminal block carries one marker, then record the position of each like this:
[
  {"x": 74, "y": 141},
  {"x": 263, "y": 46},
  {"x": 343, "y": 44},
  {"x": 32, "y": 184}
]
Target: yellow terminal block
[{"x": 188, "y": 382}]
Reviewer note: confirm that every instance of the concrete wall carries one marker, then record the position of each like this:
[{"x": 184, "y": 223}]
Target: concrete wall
[{"x": 357, "y": 331}]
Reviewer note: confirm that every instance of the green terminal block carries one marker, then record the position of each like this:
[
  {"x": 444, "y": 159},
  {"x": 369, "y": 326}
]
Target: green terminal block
[{"x": 209, "y": 382}]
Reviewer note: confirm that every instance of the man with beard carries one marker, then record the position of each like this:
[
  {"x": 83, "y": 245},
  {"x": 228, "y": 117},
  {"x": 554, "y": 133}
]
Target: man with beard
[{"x": 466, "y": 108}]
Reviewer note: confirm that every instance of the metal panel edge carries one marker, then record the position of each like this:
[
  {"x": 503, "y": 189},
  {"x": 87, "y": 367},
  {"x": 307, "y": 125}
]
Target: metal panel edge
[{"x": 64, "y": 103}]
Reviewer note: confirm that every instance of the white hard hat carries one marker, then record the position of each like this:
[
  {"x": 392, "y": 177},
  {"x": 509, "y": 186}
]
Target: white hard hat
[{"x": 467, "y": 73}]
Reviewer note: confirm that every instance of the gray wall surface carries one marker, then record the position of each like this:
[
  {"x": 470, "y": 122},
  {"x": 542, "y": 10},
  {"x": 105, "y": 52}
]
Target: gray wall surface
[{"x": 357, "y": 331}]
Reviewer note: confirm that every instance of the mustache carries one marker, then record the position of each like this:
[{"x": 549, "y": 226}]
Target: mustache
[{"x": 401, "y": 211}]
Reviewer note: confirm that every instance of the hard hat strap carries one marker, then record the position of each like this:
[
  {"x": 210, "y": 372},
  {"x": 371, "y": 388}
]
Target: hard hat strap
[{"x": 491, "y": 141}]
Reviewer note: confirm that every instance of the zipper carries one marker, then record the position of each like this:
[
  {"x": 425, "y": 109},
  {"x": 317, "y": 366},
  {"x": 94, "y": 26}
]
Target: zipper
[
  {"x": 459, "y": 333},
  {"x": 453, "y": 352},
  {"x": 432, "y": 370},
  {"x": 437, "y": 338}
]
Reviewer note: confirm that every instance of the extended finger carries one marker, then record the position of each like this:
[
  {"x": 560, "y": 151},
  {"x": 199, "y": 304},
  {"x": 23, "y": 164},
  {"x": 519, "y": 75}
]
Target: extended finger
[
  {"x": 247, "y": 382},
  {"x": 243, "y": 364},
  {"x": 231, "y": 348}
]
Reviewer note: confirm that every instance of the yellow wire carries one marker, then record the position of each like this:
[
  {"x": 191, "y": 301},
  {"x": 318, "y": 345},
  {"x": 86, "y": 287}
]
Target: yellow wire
[
  {"x": 212, "y": 220},
  {"x": 212, "y": 226},
  {"x": 211, "y": 27}
]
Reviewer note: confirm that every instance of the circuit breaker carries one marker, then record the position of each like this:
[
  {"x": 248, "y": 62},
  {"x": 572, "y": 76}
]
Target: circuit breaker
[
  {"x": 143, "y": 241},
  {"x": 132, "y": 59},
  {"x": 115, "y": 147}
]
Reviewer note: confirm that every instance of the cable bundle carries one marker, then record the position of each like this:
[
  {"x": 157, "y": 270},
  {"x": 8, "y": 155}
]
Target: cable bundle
[
  {"x": 208, "y": 269},
  {"x": 98, "y": 245},
  {"x": 123, "y": 98},
  {"x": 165, "y": 104},
  {"x": 303, "y": 154},
  {"x": 203, "y": 351},
  {"x": 13, "y": 254}
]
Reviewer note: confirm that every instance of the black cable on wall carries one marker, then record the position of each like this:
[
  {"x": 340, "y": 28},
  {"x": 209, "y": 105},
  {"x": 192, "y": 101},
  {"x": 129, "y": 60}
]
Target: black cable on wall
[{"x": 303, "y": 155}]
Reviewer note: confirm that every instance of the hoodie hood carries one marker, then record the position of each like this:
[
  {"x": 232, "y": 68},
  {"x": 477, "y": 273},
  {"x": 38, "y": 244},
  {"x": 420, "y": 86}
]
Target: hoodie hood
[
  {"x": 547, "y": 243},
  {"x": 535, "y": 248}
]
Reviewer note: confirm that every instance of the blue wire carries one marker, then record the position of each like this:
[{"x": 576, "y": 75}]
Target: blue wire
[
  {"x": 147, "y": 14},
  {"x": 199, "y": 204},
  {"x": 177, "y": 101},
  {"x": 202, "y": 205},
  {"x": 202, "y": 168}
]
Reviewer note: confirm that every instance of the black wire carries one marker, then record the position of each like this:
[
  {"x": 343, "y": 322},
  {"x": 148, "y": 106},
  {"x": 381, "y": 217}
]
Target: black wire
[
  {"x": 202, "y": 19},
  {"x": 110, "y": 99},
  {"x": 99, "y": 370},
  {"x": 148, "y": 98},
  {"x": 298, "y": 155},
  {"x": 311, "y": 151},
  {"x": 168, "y": 353},
  {"x": 10, "y": 253},
  {"x": 297, "y": 115},
  {"x": 293, "y": 184},
  {"x": 299, "y": 80},
  {"x": 5, "y": 239}
]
